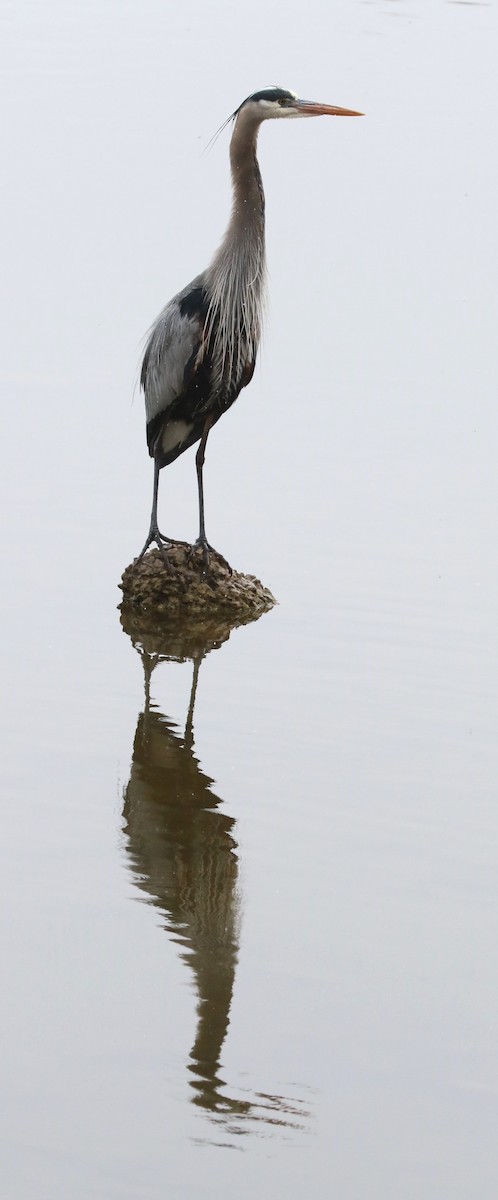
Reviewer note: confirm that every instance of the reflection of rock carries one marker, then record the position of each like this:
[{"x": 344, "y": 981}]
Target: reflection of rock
[
  {"x": 183, "y": 856},
  {"x": 184, "y": 590},
  {"x": 175, "y": 638}
]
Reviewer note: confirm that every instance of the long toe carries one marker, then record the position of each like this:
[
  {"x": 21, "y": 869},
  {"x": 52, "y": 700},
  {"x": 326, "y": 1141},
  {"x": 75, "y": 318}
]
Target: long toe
[
  {"x": 162, "y": 547},
  {"x": 161, "y": 542},
  {"x": 169, "y": 541},
  {"x": 220, "y": 557}
]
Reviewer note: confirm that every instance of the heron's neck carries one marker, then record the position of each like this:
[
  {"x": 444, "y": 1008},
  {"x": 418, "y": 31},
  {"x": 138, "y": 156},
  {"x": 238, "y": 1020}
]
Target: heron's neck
[
  {"x": 248, "y": 207},
  {"x": 243, "y": 247},
  {"x": 236, "y": 277}
]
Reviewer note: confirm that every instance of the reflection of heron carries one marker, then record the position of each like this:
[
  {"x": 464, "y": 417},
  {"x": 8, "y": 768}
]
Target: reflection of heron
[
  {"x": 202, "y": 349},
  {"x": 183, "y": 855}
]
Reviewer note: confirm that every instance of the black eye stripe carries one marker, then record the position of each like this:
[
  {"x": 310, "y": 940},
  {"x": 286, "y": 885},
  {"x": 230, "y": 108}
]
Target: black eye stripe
[{"x": 273, "y": 94}]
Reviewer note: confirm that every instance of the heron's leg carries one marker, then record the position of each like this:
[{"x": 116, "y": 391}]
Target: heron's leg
[
  {"x": 199, "y": 463},
  {"x": 154, "y": 535}
]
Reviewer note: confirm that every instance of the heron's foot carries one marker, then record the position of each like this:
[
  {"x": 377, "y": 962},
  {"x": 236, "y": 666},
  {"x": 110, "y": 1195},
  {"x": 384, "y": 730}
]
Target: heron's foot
[
  {"x": 203, "y": 544},
  {"x": 162, "y": 543}
]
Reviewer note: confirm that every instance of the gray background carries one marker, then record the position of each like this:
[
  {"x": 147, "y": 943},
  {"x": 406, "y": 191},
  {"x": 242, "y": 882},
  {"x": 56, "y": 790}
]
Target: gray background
[{"x": 351, "y": 733}]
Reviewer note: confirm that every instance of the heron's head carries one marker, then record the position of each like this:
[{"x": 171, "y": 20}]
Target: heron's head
[{"x": 277, "y": 102}]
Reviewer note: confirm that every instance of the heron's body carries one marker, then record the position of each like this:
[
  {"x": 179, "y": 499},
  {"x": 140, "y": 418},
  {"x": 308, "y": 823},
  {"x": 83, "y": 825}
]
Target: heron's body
[
  {"x": 202, "y": 349},
  {"x": 197, "y": 383}
]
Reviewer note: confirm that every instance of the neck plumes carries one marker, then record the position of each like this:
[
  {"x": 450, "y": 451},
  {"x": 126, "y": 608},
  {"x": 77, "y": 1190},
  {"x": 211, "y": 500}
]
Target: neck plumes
[{"x": 237, "y": 273}]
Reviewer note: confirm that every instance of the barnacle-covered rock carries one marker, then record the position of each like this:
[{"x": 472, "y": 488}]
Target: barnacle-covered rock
[{"x": 186, "y": 598}]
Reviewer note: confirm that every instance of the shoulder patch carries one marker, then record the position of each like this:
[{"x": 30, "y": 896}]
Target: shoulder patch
[{"x": 194, "y": 303}]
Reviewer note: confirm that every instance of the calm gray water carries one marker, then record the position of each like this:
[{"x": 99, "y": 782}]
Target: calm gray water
[{"x": 250, "y": 912}]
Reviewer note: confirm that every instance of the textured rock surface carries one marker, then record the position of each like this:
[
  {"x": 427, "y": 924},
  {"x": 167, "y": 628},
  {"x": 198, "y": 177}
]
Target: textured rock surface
[{"x": 185, "y": 602}]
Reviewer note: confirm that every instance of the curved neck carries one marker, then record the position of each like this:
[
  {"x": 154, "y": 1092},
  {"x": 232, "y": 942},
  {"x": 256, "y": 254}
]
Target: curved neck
[
  {"x": 236, "y": 277},
  {"x": 243, "y": 245},
  {"x": 248, "y": 208}
]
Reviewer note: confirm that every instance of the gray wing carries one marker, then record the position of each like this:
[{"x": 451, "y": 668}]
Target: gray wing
[{"x": 173, "y": 342}]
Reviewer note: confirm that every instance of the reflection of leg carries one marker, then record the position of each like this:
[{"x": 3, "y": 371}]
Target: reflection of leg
[
  {"x": 149, "y": 663},
  {"x": 188, "y": 736}
]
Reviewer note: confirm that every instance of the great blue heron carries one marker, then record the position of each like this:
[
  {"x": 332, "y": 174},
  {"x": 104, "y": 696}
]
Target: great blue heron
[{"x": 202, "y": 349}]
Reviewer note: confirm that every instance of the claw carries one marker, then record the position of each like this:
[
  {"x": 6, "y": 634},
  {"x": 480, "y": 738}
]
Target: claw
[{"x": 207, "y": 549}]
